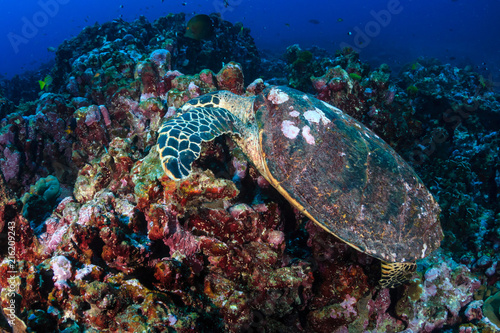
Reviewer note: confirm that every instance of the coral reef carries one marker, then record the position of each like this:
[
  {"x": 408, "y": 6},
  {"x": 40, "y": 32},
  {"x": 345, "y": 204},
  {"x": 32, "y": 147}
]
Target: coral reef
[
  {"x": 106, "y": 241},
  {"x": 369, "y": 97},
  {"x": 301, "y": 64}
]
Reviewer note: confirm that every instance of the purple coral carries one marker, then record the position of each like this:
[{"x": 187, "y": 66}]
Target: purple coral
[
  {"x": 61, "y": 267},
  {"x": 10, "y": 164},
  {"x": 161, "y": 58},
  {"x": 348, "y": 306}
]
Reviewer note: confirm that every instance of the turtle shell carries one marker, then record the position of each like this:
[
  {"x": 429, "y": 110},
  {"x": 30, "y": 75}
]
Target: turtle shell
[{"x": 344, "y": 177}]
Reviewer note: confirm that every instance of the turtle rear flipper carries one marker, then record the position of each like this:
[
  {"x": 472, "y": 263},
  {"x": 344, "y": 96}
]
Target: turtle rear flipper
[
  {"x": 395, "y": 274},
  {"x": 180, "y": 138}
]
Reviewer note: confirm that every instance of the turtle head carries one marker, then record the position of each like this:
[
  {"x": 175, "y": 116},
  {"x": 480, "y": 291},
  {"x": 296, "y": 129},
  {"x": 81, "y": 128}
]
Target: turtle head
[{"x": 203, "y": 119}]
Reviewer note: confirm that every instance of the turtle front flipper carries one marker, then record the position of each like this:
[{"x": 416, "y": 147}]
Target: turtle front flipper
[
  {"x": 395, "y": 274},
  {"x": 180, "y": 138}
]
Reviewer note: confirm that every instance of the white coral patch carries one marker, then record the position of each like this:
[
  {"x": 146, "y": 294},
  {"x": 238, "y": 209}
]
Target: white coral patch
[
  {"x": 315, "y": 116},
  {"x": 233, "y": 65},
  {"x": 306, "y": 133},
  {"x": 312, "y": 116},
  {"x": 295, "y": 114},
  {"x": 84, "y": 271},
  {"x": 324, "y": 119},
  {"x": 289, "y": 129},
  {"x": 424, "y": 250},
  {"x": 277, "y": 96},
  {"x": 61, "y": 267}
]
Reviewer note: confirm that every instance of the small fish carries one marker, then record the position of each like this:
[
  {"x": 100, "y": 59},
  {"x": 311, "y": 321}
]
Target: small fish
[
  {"x": 97, "y": 75},
  {"x": 199, "y": 27},
  {"x": 45, "y": 82},
  {"x": 184, "y": 3},
  {"x": 287, "y": 25},
  {"x": 349, "y": 33},
  {"x": 121, "y": 6},
  {"x": 71, "y": 126},
  {"x": 51, "y": 49},
  {"x": 340, "y": 19},
  {"x": 314, "y": 21}
]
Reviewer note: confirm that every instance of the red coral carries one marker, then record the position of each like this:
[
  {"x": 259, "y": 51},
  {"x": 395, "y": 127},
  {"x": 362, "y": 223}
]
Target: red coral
[{"x": 230, "y": 77}]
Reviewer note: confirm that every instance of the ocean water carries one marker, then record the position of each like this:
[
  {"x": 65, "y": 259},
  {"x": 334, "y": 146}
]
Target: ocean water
[{"x": 395, "y": 32}]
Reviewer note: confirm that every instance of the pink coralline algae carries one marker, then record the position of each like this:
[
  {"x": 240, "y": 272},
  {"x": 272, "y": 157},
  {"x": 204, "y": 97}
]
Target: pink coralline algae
[
  {"x": 207, "y": 76},
  {"x": 93, "y": 115},
  {"x": 55, "y": 232},
  {"x": 390, "y": 96},
  {"x": 473, "y": 311},
  {"x": 444, "y": 282},
  {"x": 105, "y": 115},
  {"x": 194, "y": 90},
  {"x": 10, "y": 164},
  {"x": 256, "y": 87},
  {"x": 161, "y": 58},
  {"x": 61, "y": 267},
  {"x": 347, "y": 308}
]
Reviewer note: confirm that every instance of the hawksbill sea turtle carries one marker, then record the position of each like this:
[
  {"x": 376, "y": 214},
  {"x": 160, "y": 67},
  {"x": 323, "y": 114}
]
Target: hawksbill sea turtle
[{"x": 329, "y": 166}]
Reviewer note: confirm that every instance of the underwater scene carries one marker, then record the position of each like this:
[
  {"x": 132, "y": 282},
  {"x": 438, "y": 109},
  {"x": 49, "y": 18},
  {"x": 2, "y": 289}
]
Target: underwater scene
[{"x": 250, "y": 166}]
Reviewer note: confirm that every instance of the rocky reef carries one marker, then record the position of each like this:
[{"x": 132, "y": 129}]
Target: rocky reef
[{"x": 98, "y": 238}]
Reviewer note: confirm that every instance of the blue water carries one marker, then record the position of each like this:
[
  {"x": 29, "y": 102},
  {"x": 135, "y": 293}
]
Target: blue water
[{"x": 461, "y": 32}]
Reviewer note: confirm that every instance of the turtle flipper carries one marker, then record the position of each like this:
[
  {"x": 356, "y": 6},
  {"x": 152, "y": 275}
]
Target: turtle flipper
[
  {"x": 395, "y": 274},
  {"x": 180, "y": 138}
]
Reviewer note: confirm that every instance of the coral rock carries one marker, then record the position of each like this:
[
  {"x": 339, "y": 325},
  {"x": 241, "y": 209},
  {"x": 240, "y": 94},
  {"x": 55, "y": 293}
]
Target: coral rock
[{"x": 230, "y": 77}]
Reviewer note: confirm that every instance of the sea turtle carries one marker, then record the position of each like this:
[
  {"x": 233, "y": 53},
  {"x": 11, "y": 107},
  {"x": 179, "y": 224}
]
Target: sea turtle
[{"x": 331, "y": 167}]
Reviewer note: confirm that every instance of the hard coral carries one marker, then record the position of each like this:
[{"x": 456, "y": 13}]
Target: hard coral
[
  {"x": 446, "y": 283},
  {"x": 230, "y": 77},
  {"x": 41, "y": 198}
]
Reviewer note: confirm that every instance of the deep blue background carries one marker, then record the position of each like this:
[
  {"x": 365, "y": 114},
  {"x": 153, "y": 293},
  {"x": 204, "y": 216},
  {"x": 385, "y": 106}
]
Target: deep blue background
[{"x": 460, "y": 32}]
